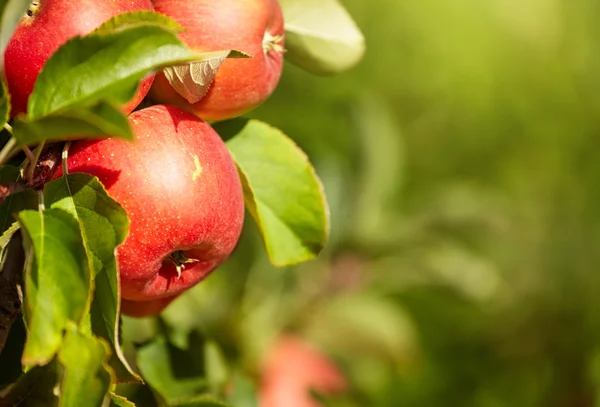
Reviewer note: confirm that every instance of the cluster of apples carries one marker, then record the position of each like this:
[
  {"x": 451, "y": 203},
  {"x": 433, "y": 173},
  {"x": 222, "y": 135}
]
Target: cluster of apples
[{"x": 177, "y": 180}]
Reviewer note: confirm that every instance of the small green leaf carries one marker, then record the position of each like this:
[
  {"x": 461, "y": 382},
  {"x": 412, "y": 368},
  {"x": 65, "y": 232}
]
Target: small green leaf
[
  {"x": 11, "y": 12},
  {"x": 57, "y": 281},
  {"x": 281, "y": 190},
  {"x": 170, "y": 371},
  {"x": 104, "y": 66},
  {"x": 124, "y": 21},
  {"x": 86, "y": 377},
  {"x": 100, "y": 120},
  {"x": 33, "y": 389},
  {"x": 104, "y": 225},
  {"x": 119, "y": 401},
  {"x": 320, "y": 36},
  {"x": 4, "y": 102}
]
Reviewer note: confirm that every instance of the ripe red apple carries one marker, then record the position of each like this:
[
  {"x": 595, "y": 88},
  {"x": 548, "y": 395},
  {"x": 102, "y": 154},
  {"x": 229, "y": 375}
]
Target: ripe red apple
[
  {"x": 182, "y": 193},
  {"x": 47, "y": 25},
  {"x": 252, "y": 26},
  {"x": 292, "y": 369}
]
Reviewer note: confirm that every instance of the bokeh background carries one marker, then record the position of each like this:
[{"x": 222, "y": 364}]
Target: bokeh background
[{"x": 461, "y": 159}]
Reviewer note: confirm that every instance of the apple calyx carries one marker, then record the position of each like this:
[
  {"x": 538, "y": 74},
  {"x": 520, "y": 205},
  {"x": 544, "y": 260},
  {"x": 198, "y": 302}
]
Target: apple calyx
[
  {"x": 34, "y": 6},
  {"x": 180, "y": 260},
  {"x": 273, "y": 43}
]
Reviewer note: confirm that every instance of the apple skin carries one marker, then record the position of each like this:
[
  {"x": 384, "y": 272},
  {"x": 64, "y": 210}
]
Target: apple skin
[
  {"x": 293, "y": 368},
  {"x": 52, "y": 24},
  {"x": 240, "y": 84},
  {"x": 182, "y": 192}
]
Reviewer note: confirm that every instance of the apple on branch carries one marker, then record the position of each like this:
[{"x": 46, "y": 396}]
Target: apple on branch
[
  {"x": 254, "y": 27},
  {"x": 47, "y": 25},
  {"x": 182, "y": 192}
]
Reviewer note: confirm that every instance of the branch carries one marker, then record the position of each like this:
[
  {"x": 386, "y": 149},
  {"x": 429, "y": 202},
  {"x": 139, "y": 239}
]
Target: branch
[{"x": 11, "y": 282}]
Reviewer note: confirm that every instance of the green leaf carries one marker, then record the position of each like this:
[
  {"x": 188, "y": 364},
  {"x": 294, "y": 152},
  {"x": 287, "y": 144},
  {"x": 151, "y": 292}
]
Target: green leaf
[
  {"x": 33, "y": 389},
  {"x": 281, "y": 190},
  {"x": 217, "y": 371},
  {"x": 57, "y": 281},
  {"x": 104, "y": 66},
  {"x": 171, "y": 372},
  {"x": 120, "y": 401},
  {"x": 4, "y": 102},
  {"x": 243, "y": 391},
  {"x": 205, "y": 400},
  {"x": 11, "y": 12},
  {"x": 104, "y": 225},
  {"x": 86, "y": 377},
  {"x": 124, "y": 21},
  {"x": 364, "y": 324},
  {"x": 320, "y": 36},
  {"x": 100, "y": 120}
]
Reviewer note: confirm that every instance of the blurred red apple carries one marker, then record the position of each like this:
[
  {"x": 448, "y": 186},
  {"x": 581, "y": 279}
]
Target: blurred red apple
[
  {"x": 49, "y": 24},
  {"x": 292, "y": 369},
  {"x": 182, "y": 193},
  {"x": 252, "y": 26}
]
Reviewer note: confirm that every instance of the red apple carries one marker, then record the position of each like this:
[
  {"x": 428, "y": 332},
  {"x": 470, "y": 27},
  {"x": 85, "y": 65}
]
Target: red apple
[
  {"x": 182, "y": 193},
  {"x": 252, "y": 26},
  {"x": 49, "y": 24},
  {"x": 292, "y": 369}
]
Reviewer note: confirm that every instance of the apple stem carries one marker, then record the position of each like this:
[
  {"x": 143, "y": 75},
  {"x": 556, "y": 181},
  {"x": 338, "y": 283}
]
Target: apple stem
[
  {"x": 9, "y": 148},
  {"x": 65, "y": 155},
  {"x": 33, "y": 164}
]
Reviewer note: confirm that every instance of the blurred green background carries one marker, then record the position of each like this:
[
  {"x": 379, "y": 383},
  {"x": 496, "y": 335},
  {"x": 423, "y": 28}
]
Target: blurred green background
[{"x": 461, "y": 159}]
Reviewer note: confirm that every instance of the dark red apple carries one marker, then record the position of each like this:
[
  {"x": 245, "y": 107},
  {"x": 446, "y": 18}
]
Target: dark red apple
[
  {"x": 292, "y": 369},
  {"x": 182, "y": 193},
  {"x": 47, "y": 25},
  {"x": 252, "y": 26}
]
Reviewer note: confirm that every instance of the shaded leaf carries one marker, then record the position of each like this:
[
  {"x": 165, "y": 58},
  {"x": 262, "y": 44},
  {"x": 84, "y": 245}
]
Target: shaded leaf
[
  {"x": 86, "y": 377},
  {"x": 320, "y": 36},
  {"x": 98, "y": 121},
  {"x": 26, "y": 199},
  {"x": 4, "y": 102},
  {"x": 170, "y": 371},
  {"x": 10, "y": 357},
  {"x": 104, "y": 66},
  {"x": 57, "y": 281},
  {"x": 104, "y": 225},
  {"x": 281, "y": 190},
  {"x": 11, "y": 12},
  {"x": 34, "y": 389}
]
